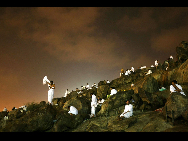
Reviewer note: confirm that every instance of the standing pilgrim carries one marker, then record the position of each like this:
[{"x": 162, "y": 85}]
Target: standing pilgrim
[
  {"x": 156, "y": 63},
  {"x": 67, "y": 92},
  {"x": 51, "y": 87},
  {"x": 93, "y": 105}
]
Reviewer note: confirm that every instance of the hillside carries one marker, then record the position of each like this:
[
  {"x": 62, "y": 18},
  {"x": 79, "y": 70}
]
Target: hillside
[{"x": 144, "y": 95}]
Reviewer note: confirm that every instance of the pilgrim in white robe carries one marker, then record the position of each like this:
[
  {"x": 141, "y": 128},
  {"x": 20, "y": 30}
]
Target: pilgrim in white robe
[
  {"x": 156, "y": 63},
  {"x": 87, "y": 87},
  {"x": 66, "y": 93},
  {"x": 132, "y": 69},
  {"x": 172, "y": 89},
  {"x": 93, "y": 105},
  {"x": 126, "y": 73},
  {"x": 149, "y": 72},
  {"x": 143, "y": 67},
  {"x": 129, "y": 71},
  {"x": 50, "y": 94},
  {"x": 73, "y": 110},
  {"x": 127, "y": 108},
  {"x": 113, "y": 91}
]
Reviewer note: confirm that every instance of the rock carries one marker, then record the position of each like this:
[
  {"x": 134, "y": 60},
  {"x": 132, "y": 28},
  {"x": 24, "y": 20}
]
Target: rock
[
  {"x": 40, "y": 119},
  {"x": 150, "y": 85},
  {"x": 103, "y": 91},
  {"x": 178, "y": 103},
  {"x": 82, "y": 104},
  {"x": 157, "y": 124},
  {"x": 61, "y": 102},
  {"x": 66, "y": 122},
  {"x": 152, "y": 101},
  {"x": 115, "y": 125},
  {"x": 182, "y": 73},
  {"x": 73, "y": 94},
  {"x": 180, "y": 128},
  {"x": 115, "y": 101},
  {"x": 3, "y": 114},
  {"x": 15, "y": 114},
  {"x": 56, "y": 100},
  {"x": 185, "y": 114},
  {"x": 43, "y": 103},
  {"x": 137, "y": 100},
  {"x": 121, "y": 81},
  {"x": 182, "y": 52}
]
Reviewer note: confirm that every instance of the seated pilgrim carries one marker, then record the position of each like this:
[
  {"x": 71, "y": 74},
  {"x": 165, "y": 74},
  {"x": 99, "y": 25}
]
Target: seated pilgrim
[
  {"x": 132, "y": 69},
  {"x": 72, "y": 110},
  {"x": 176, "y": 88},
  {"x": 143, "y": 67},
  {"x": 149, "y": 72},
  {"x": 100, "y": 101},
  {"x": 113, "y": 91},
  {"x": 122, "y": 72},
  {"x": 126, "y": 73},
  {"x": 128, "y": 111}
]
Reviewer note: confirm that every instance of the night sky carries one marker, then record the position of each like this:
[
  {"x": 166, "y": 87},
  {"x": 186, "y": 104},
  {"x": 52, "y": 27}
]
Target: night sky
[{"x": 77, "y": 45}]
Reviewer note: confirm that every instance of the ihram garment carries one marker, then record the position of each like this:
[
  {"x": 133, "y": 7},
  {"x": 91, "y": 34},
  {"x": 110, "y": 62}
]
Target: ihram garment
[
  {"x": 73, "y": 110},
  {"x": 93, "y": 104},
  {"x": 113, "y": 91},
  {"x": 172, "y": 89},
  {"x": 127, "y": 108},
  {"x": 50, "y": 94}
]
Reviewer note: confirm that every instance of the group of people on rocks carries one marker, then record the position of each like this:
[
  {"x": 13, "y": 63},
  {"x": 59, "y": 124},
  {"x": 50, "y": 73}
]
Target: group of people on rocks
[
  {"x": 127, "y": 72},
  {"x": 165, "y": 65},
  {"x": 128, "y": 111}
]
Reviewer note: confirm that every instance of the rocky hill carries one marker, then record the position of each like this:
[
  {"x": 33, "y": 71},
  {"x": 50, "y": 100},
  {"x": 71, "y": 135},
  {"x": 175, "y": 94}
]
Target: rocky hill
[{"x": 144, "y": 95}]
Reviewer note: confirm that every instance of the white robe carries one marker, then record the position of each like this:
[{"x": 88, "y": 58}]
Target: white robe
[
  {"x": 93, "y": 104},
  {"x": 126, "y": 73},
  {"x": 73, "y": 110},
  {"x": 132, "y": 69},
  {"x": 172, "y": 89},
  {"x": 87, "y": 86},
  {"x": 149, "y": 72},
  {"x": 66, "y": 92},
  {"x": 113, "y": 91},
  {"x": 156, "y": 63},
  {"x": 50, "y": 94},
  {"x": 143, "y": 67},
  {"x": 127, "y": 108},
  {"x": 45, "y": 79}
]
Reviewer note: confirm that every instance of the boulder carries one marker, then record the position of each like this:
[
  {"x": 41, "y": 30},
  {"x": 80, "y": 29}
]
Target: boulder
[
  {"x": 182, "y": 73},
  {"x": 66, "y": 121},
  {"x": 151, "y": 101},
  {"x": 15, "y": 114},
  {"x": 150, "y": 85},
  {"x": 137, "y": 100},
  {"x": 55, "y": 100},
  {"x": 3, "y": 114},
  {"x": 73, "y": 94},
  {"x": 61, "y": 102},
  {"x": 115, "y": 101},
  {"x": 102, "y": 83},
  {"x": 39, "y": 119},
  {"x": 103, "y": 91},
  {"x": 82, "y": 104},
  {"x": 176, "y": 102},
  {"x": 182, "y": 52}
]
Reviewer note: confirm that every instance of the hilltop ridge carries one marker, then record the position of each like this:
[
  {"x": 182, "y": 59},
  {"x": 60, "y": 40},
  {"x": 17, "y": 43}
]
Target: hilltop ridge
[{"x": 144, "y": 95}]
